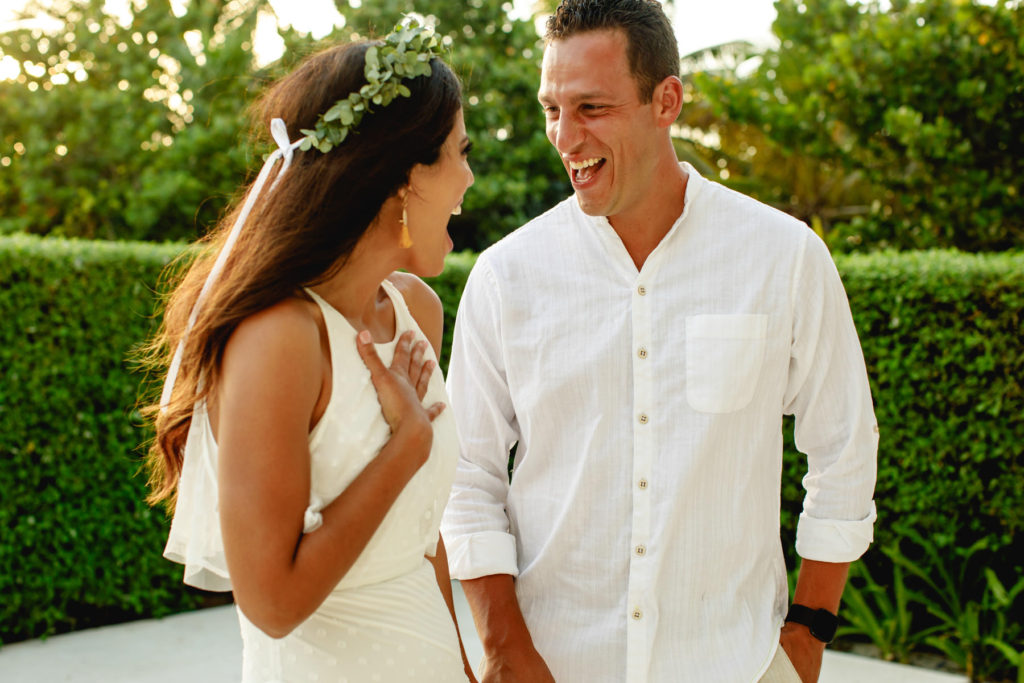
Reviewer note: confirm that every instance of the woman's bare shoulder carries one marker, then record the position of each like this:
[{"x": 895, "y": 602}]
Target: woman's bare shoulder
[
  {"x": 424, "y": 304},
  {"x": 285, "y": 332}
]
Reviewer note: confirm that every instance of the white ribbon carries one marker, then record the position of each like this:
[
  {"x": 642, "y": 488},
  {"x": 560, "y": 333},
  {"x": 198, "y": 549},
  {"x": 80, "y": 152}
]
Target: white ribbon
[{"x": 285, "y": 149}]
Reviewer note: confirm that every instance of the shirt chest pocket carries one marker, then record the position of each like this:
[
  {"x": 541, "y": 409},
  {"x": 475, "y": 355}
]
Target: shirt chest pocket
[{"x": 724, "y": 355}]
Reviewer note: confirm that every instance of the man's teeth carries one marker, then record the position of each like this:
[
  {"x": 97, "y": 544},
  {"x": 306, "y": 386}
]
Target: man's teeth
[{"x": 580, "y": 165}]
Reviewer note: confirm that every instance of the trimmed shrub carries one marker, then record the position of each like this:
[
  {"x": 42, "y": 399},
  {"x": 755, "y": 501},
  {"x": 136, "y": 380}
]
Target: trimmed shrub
[
  {"x": 79, "y": 546},
  {"x": 941, "y": 333},
  {"x": 942, "y": 338}
]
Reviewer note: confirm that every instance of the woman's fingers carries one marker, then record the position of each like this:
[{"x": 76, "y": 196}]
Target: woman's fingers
[
  {"x": 403, "y": 353},
  {"x": 423, "y": 382},
  {"x": 416, "y": 361},
  {"x": 364, "y": 345},
  {"x": 435, "y": 410},
  {"x": 409, "y": 363}
]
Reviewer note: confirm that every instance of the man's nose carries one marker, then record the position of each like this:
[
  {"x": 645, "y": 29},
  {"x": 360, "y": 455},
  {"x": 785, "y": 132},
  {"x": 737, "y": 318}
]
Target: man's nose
[{"x": 568, "y": 134}]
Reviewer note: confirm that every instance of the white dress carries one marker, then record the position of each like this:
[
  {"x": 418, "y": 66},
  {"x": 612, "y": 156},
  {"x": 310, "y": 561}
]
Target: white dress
[{"x": 386, "y": 620}]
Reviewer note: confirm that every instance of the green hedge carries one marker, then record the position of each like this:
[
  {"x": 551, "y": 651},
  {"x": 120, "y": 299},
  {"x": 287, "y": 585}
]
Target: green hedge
[
  {"x": 79, "y": 547},
  {"x": 941, "y": 332},
  {"x": 942, "y": 337}
]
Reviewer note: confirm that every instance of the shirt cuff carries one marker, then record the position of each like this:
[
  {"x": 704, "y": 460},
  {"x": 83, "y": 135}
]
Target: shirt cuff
[
  {"x": 482, "y": 554},
  {"x": 831, "y": 540}
]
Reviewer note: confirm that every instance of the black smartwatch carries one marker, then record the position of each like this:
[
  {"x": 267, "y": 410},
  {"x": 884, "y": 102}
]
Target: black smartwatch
[{"x": 820, "y": 622}]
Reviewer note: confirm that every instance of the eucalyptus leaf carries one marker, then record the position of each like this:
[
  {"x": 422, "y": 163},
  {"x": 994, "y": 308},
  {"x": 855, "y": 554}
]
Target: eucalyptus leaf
[{"x": 371, "y": 58}]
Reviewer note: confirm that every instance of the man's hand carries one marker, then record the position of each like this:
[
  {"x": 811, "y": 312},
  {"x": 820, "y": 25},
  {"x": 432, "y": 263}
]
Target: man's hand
[
  {"x": 509, "y": 653},
  {"x": 804, "y": 651}
]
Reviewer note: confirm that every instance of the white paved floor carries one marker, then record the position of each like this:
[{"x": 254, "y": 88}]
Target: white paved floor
[{"x": 204, "y": 647}]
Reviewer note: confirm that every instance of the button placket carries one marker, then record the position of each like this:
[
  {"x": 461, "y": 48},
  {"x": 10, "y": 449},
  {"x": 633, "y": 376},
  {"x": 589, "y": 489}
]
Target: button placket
[{"x": 641, "y": 579}]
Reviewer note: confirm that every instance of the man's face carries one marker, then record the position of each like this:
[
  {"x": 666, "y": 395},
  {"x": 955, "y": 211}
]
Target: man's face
[{"x": 604, "y": 135}]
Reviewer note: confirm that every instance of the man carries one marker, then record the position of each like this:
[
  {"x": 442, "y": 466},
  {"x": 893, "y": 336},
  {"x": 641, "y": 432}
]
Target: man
[{"x": 639, "y": 343}]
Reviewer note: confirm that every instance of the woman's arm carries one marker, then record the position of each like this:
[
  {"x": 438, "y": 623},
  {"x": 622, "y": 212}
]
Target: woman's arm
[
  {"x": 444, "y": 582},
  {"x": 271, "y": 380}
]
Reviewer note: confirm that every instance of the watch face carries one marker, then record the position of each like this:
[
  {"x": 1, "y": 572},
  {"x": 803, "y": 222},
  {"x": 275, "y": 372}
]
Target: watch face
[{"x": 824, "y": 626}]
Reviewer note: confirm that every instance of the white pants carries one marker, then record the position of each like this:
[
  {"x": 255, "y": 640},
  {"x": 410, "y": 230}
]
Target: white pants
[{"x": 781, "y": 669}]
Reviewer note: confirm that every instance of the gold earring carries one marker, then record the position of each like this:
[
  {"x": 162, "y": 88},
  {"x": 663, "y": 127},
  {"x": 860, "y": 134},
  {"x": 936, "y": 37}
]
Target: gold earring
[{"x": 404, "y": 240}]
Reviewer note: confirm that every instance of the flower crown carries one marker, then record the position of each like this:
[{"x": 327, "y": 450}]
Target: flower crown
[{"x": 405, "y": 53}]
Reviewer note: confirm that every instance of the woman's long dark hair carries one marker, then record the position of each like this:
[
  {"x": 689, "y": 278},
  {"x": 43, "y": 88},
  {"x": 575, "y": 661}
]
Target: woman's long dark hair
[{"x": 300, "y": 233}]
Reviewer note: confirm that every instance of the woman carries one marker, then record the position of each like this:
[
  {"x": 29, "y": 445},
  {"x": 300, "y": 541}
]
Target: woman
[{"x": 302, "y": 435}]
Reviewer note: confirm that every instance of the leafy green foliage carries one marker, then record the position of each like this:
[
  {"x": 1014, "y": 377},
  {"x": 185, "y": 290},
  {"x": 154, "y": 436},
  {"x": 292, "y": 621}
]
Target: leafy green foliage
[
  {"x": 882, "y": 613},
  {"x": 137, "y": 132},
  {"x": 81, "y": 547},
  {"x": 126, "y": 132},
  {"x": 950, "y": 600},
  {"x": 941, "y": 334},
  {"x": 746, "y": 158},
  {"x": 917, "y": 111}
]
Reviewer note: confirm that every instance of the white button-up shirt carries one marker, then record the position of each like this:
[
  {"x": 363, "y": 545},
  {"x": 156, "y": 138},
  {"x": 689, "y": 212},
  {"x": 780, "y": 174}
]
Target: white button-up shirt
[{"x": 642, "y": 517}]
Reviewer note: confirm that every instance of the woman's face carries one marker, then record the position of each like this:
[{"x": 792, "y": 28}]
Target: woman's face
[{"x": 436, "y": 191}]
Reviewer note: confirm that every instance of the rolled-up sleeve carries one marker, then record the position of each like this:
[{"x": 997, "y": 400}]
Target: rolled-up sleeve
[
  {"x": 829, "y": 395},
  {"x": 475, "y": 525}
]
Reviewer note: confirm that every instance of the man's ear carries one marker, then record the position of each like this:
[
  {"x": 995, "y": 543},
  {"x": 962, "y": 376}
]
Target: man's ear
[{"x": 667, "y": 101}]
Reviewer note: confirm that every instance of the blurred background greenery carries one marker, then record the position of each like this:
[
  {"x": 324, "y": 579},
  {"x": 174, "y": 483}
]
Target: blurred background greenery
[{"x": 897, "y": 124}]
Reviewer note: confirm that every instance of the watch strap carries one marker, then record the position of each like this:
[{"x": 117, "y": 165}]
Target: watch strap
[{"x": 820, "y": 622}]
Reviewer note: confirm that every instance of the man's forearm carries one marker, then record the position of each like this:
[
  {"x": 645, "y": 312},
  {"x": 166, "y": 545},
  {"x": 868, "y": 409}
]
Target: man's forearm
[
  {"x": 496, "y": 613},
  {"x": 820, "y": 584},
  {"x": 509, "y": 653}
]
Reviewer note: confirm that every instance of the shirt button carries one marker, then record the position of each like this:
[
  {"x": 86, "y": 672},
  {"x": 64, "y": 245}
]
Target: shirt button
[
  {"x": 641, "y": 290},
  {"x": 642, "y": 352},
  {"x": 642, "y": 483},
  {"x": 637, "y": 614},
  {"x": 641, "y": 550},
  {"x": 642, "y": 418}
]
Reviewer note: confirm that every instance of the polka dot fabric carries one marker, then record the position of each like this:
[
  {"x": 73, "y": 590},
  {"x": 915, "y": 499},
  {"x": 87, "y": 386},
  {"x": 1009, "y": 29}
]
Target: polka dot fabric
[{"x": 394, "y": 631}]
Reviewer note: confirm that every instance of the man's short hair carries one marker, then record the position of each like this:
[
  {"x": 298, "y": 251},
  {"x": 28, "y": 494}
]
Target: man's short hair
[{"x": 650, "y": 42}]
